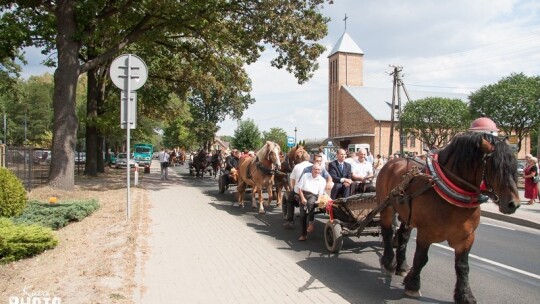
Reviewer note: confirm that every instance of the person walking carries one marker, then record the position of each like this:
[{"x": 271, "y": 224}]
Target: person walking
[
  {"x": 530, "y": 171},
  {"x": 164, "y": 164}
]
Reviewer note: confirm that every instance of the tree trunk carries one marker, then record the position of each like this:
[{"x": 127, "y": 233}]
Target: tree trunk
[
  {"x": 65, "y": 123},
  {"x": 91, "y": 130}
]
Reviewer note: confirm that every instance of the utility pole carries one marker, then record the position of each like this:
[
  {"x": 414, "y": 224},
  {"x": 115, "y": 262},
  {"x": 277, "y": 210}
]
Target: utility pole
[{"x": 398, "y": 83}]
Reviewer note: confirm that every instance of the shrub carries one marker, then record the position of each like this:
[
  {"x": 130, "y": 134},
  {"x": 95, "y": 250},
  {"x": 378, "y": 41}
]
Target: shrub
[
  {"x": 23, "y": 241},
  {"x": 12, "y": 194},
  {"x": 56, "y": 216}
]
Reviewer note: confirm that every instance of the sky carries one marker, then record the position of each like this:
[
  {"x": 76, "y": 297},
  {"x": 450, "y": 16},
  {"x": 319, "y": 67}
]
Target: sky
[{"x": 443, "y": 46}]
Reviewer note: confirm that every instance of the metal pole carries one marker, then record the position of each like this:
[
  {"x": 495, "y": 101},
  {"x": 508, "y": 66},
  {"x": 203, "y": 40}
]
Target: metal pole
[
  {"x": 295, "y": 135},
  {"x": 5, "y": 129},
  {"x": 128, "y": 128}
]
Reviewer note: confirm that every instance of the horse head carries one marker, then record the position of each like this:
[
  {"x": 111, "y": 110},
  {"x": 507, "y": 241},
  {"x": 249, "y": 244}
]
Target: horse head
[
  {"x": 484, "y": 161},
  {"x": 270, "y": 152}
]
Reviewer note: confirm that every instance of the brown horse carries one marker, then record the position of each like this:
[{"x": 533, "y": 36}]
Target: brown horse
[
  {"x": 258, "y": 172},
  {"x": 441, "y": 200},
  {"x": 200, "y": 162},
  {"x": 216, "y": 162},
  {"x": 295, "y": 156}
]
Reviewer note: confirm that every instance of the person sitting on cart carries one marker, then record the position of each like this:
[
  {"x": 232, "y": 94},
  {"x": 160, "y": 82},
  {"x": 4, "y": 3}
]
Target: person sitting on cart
[
  {"x": 293, "y": 198},
  {"x": 341, "y": 174},
  {"x": 231, "y": 162},
  {"x": 362, "y": 174},
  {"x": 310, "y": 187}
]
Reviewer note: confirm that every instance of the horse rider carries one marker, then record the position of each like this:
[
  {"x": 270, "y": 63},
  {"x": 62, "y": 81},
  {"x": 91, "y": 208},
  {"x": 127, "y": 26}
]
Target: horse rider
[
  {"x": 310, "y": 187},
  {"x": 362, "y": 173},
  {"x": 232, "y": 161},
  {"x": 293, "y": 197},
  {"x": 341, "y": 173}
]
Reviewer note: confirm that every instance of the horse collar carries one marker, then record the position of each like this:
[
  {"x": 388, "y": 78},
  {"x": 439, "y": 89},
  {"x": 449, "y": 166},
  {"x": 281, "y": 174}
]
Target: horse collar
[{"x": 449, "y": 191}]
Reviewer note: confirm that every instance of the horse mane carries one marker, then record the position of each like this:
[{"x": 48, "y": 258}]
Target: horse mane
[
  {"x": 466, "y": 152},
  {"x": 267, "y": 148}
]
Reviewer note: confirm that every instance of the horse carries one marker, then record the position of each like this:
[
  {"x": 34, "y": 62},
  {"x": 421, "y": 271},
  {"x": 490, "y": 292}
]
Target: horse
[
  {"x": 258, "y": 172},
  {"x": 172, "y": 158},
  {"x": 216, "y": 162},
  {"x": 200, "y": 162},
  {"x": 441, "y": 199},
  {"x": 181, "y": 157},
  {"x": 295, "y": 156}
]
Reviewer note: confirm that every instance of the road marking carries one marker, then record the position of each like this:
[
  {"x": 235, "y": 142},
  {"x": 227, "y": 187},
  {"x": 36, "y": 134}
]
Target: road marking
[
  {"x": 532, "y": 275},
  {"x": 498, "y": 226}
]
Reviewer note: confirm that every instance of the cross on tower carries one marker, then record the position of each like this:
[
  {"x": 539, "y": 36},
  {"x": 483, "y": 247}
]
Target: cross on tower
[{"x": 345, "y": 19}]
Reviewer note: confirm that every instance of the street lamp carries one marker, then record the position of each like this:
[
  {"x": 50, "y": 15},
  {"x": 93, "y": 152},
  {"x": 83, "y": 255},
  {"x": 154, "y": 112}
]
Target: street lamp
[{"x": 295, "y": 135}]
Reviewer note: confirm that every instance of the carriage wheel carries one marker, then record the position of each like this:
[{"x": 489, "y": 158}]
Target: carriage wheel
[
  {"x": 333, "y": 237},
  {"x": 221, "y": 183}
]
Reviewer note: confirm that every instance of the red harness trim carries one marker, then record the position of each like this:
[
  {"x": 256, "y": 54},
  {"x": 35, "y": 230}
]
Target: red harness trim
[
  {"x": 330, "y": 210},
  {"x": 449, "y": 191}
]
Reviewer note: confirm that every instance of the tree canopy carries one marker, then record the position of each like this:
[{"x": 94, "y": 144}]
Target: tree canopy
[
  {"x": 513, "y": 103},
  {"x": 88, "y": 34},
  {"x": 435, "y": 120},
  {"x": 247, "y": 136},
  {"x": 277, "y": 135}
]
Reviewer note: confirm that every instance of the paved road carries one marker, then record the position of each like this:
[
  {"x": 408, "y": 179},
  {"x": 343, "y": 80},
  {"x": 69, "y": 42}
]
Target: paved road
[{"x": 206, "y": 251}]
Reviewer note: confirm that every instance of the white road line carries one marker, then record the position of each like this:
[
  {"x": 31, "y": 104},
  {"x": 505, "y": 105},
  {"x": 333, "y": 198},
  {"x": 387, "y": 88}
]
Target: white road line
[
  {"x": 532, "y": 275},
  {"x": 498, "y": 226}
]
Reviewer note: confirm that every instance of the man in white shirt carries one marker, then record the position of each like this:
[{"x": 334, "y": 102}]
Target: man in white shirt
[
  {"x": 288, "y": 205},
  {"x": 164, "y": 163},
  {"x": 310, "y": 187},
  {"x": 362, "y": 174}
]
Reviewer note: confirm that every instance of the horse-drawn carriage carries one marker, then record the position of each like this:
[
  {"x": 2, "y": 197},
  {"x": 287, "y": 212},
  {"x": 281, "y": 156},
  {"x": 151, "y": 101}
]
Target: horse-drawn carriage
[{"x": 355, "y": 215}]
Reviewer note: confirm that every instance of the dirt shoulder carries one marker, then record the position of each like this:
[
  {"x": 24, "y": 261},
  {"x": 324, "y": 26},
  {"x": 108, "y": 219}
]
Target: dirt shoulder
[{"x": 95, "y": 260}]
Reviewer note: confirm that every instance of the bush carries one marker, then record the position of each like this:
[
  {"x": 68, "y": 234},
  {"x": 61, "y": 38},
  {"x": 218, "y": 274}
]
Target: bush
[
  {"x": 56, "y": 216},
  {"x": 12, "y": 194},
  {"x": 23, "y": 241}
]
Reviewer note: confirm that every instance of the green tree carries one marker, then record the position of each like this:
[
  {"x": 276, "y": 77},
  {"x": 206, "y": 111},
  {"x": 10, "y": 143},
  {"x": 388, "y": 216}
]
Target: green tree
[
  {"x": 434, "y": 120},
  {"x": 277, "y": 135},
  {"x": 247, "y": 136},
  {"x": 513, "y": 103},
  {"x": 232, "y": 29}
]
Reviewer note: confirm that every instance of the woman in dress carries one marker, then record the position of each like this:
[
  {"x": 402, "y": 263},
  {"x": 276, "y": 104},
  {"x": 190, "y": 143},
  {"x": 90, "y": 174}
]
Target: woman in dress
[{"x": 530, "y": 171}]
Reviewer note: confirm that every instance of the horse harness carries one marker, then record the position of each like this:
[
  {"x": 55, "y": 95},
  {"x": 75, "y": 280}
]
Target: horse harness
[
  {"x": 265, "y": 171},
  {"x": 435, "y": 176}
]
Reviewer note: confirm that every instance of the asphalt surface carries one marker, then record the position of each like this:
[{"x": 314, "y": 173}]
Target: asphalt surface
[{"x": 202, "y": 251}]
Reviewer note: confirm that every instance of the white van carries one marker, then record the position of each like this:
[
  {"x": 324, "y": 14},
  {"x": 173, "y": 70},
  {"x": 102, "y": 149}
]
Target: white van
[{"x": 356, "y": 147}]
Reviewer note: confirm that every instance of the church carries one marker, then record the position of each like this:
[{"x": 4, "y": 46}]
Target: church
[{"x": 362, "y": 115}]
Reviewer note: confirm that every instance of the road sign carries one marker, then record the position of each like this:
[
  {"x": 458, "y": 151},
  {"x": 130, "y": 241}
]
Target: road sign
[
  {"x": 138, "y": 72},
  {"x": 290, "y": 141},
  {"x": 132, "y": 115}
]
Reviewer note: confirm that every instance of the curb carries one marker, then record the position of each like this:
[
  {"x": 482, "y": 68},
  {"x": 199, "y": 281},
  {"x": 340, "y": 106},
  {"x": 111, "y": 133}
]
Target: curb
[{"x": 510, "y": 219}]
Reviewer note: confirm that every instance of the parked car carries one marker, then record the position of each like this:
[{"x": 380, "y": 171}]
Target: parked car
[
  {"x": 80, "y": 157},
  {"x": 41, "y": 156},
  {"x": 121, "y": 161},
  {"x": 521, "y": 166}
]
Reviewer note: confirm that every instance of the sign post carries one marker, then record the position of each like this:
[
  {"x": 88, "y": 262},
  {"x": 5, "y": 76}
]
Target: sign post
[{"x": 129, "y": 73}]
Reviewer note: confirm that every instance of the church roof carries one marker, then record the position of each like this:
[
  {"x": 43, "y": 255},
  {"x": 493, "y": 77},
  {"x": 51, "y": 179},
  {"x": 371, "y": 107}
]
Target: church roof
[
  {"x": 378, "y": 101},
  {"x": 345, "y": 44}
]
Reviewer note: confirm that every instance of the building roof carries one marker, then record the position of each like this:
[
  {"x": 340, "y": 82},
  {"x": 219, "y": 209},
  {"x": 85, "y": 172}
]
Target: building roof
[
  {"x": 378, "y": 101},
  {"x": 345, "y": 44}
]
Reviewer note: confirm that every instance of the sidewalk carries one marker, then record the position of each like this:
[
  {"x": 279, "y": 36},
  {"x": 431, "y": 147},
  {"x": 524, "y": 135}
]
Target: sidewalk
[
  {"x": 199, "y": 254},
  {"x": 526, "y": 215}
]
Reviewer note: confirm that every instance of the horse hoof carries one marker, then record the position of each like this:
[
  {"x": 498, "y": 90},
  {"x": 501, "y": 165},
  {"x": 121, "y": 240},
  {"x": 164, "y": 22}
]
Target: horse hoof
[
  {"x": 413, "y": 293},
  {"x": 241, "y": 205},
  {"x": 401, "y": 273},
  {"x": 262, "y": 212}
]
